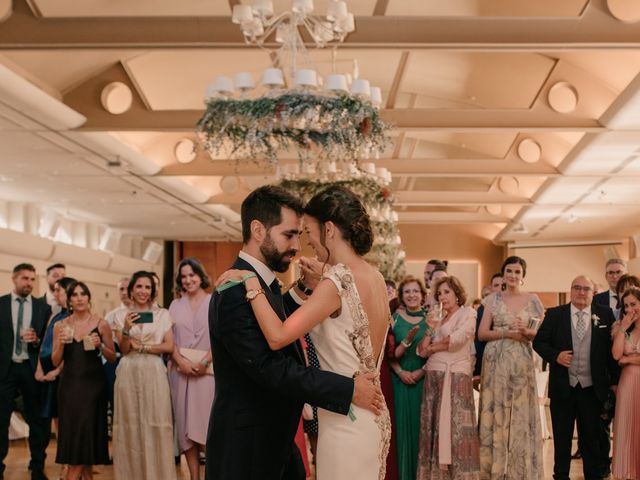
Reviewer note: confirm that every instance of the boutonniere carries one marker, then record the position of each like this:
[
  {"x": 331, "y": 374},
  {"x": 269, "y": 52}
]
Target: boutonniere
[{"x": 595, "y": 319}]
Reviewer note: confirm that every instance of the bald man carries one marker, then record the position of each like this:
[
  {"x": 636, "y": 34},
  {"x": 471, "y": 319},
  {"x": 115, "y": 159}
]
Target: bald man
[{"x": 576, "y": 341}]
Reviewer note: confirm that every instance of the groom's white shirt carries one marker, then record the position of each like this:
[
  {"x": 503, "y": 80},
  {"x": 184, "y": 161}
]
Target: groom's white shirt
[{"x": 266, "y": 273}]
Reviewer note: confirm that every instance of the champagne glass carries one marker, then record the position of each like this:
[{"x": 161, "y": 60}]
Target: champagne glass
[{"x": 436, "y": 315}]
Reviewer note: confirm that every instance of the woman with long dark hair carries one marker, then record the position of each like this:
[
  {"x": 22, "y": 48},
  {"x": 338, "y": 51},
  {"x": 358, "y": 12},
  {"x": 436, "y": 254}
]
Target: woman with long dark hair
[
  {"x": 79, "y": 340},
  {"x": 510, "y": 428},
  {"x": 348, "y": 316},
  {"x": 626, "y": 423},
  {"x": 142, "y": 421}
]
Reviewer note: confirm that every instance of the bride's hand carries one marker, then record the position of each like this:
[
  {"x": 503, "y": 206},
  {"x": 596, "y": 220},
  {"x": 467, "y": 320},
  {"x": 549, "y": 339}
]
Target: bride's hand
[
  {"x": 233, "y": 276},
  {"x": 311, "y": 269}
]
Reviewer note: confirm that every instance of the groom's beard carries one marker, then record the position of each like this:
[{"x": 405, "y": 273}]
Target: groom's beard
[{"x": 274, "y": 259}]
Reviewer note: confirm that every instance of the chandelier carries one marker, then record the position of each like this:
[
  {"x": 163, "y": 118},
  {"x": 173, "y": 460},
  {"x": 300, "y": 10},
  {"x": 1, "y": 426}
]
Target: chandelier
[{"x": 333, "y": 119}]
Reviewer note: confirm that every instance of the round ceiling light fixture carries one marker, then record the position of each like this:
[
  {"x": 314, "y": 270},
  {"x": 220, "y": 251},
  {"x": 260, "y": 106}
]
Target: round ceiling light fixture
[
  {"x": 529, "y": 150},
  {"x": 563, "y": 97},
  {"x": 116, "y": 98},
  {"x": 185, "y": 150},
  {"x": 627, "y": 11}
]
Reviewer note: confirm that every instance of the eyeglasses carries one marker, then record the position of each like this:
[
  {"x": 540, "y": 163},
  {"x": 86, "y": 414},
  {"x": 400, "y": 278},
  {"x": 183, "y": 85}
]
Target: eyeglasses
[
  {"x": 614, "y": 272},
  {"x": 580, "y": 288}
]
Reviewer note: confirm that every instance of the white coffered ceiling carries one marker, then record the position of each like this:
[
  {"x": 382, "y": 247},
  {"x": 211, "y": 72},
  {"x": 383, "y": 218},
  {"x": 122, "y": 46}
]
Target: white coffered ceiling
[{"x": 465, "y": 82}]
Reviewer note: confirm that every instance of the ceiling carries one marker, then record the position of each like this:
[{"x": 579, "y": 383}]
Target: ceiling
[{"x": 524, "y": 116}]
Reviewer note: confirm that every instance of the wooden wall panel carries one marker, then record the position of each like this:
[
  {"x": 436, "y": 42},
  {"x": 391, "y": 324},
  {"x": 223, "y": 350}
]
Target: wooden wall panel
[{"x": 216, "y": 257}]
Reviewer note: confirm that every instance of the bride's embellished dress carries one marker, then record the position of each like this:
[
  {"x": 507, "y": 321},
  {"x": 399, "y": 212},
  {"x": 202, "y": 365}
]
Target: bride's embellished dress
[{"x": 352, "y": 447}]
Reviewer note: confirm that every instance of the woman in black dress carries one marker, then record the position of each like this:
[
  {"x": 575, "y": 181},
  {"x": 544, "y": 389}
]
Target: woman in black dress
[{"x": 79, "y": 340}]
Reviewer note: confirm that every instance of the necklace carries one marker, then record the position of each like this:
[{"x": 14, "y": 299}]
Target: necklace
[{"x": 418, "y": 313}]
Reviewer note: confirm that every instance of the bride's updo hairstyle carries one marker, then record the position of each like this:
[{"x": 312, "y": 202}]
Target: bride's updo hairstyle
[{"x": 342, "y": 207}]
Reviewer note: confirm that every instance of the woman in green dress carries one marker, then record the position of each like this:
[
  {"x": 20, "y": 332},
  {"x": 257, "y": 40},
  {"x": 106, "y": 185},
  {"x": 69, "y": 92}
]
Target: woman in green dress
[{"x": 409, "y": 326}]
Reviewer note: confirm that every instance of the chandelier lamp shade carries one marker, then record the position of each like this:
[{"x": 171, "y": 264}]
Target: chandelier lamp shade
[{"x": 334, "y": 117}]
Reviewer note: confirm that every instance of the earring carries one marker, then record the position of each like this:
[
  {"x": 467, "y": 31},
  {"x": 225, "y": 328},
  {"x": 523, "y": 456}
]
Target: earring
[{"x": 521, "y": 282}]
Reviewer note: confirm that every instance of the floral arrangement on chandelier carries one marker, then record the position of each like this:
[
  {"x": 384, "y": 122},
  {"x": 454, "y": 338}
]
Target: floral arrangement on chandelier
[
  {"x": 336, "y": 127},
  {"x": 386, "y": 252}
]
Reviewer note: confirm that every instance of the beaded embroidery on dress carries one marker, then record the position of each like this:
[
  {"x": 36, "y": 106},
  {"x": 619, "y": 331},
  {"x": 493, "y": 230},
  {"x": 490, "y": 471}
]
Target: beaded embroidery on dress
[{"x": 352, "y": 447}]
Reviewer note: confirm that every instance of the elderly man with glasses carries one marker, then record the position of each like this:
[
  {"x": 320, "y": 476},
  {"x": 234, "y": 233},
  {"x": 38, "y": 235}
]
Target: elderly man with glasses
[{"x": 576, "y": 341}]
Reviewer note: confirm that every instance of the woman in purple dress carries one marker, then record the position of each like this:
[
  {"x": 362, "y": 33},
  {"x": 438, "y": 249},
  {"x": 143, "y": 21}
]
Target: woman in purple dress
[{"x": 190, "y": 375}]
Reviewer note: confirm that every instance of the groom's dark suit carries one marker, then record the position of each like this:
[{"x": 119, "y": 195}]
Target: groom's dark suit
[
  {"x": 259, "y": 392},
  {"x": 582, "y": 404}
]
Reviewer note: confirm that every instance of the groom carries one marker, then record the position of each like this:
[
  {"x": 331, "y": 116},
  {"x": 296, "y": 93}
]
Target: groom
[{"x": 260, "y": 392}]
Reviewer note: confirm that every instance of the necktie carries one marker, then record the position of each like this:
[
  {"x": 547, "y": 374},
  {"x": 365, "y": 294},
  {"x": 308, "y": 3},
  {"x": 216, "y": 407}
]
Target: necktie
[
  {"x": 275, "y": 289},
  {"x": 617, "y": 301},
  {"x": 19, "y": 325},
  {"x": 581, "y": 325}
]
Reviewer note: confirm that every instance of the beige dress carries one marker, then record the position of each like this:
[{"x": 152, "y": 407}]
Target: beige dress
[
  {"x": 510, "y": 429},
  {"x": 352, "y": 447},
  {"x": 142, "y": 421}
]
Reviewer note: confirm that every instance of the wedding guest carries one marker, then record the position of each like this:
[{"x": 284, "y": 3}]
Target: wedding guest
[
  {"x": 79, "y": 340},
  {"x": 614, "y": 269},
  {"x": 495, "y": 287},
  {"x": 625, "y": 282},
  {"x": 430, "y": 267},
  {"x": 125, "y": 301},
  {"x": 626, "y": 423},
  {"x": 437, "y": 274},
  {"x": 408, "y": 328},
  {"x": 46, "y": 372},
  {"x": 110, "y": 317},
  {"x": 23, "y": 320},
  {"x": 448, "y": 434},
  {"x": 192, "y": 385},
  {"x": 508, "y": 398},
  {"x": 386, "y": 382},
  {"x": 54, "y": 273},
  {"x": 576, "y": 341},
  {"x": 143, "y": 425}
]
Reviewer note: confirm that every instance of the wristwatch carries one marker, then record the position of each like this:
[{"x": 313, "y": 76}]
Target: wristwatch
[
  {"x": 301, "y": 286},
  {"x": 252, "y": 294}
]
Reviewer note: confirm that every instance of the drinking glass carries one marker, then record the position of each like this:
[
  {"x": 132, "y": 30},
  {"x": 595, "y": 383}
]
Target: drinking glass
[{"x": 68, "y": 331}]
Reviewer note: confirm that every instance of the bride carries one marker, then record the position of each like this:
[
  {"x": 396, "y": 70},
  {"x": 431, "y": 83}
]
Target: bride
[{"x": 347, "y": 317}]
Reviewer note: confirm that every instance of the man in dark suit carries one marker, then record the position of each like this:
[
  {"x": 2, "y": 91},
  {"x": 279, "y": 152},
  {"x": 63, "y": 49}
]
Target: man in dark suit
[
  {"x": 260, "y": 392},
  {"x": 23, "y": 320},
  {"x": 54, "y": 273},
  {"x": 576, "y": 341},
  {"x": 614, "y": 269},
  {"x": 496, "y": 286}
]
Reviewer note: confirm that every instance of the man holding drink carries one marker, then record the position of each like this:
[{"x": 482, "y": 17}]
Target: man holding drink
[{"x": 23, "y": 320}]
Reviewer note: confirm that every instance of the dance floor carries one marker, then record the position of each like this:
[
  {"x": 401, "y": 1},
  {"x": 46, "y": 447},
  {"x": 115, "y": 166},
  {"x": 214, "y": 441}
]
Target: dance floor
[{"x": 18, "y": 459}]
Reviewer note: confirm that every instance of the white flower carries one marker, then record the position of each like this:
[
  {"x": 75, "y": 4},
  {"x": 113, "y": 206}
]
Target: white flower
[{"x": 596, "y": 319}]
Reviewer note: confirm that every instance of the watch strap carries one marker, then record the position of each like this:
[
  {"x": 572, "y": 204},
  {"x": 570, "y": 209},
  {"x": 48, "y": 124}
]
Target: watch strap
[{"x": 304, "y": 289}]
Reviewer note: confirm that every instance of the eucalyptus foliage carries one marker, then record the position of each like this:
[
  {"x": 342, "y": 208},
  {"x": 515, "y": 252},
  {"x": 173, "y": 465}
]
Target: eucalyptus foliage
[{"x": 327, "y": 127}]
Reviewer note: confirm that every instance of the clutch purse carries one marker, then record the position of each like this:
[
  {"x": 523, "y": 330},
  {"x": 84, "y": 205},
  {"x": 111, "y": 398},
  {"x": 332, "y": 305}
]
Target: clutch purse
[{"x": 196, "y": 356}]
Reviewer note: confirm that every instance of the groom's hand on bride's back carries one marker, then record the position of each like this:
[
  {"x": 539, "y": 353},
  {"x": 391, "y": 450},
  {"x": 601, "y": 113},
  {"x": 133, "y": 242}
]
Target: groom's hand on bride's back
[{"x": 366, "y": 394}]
